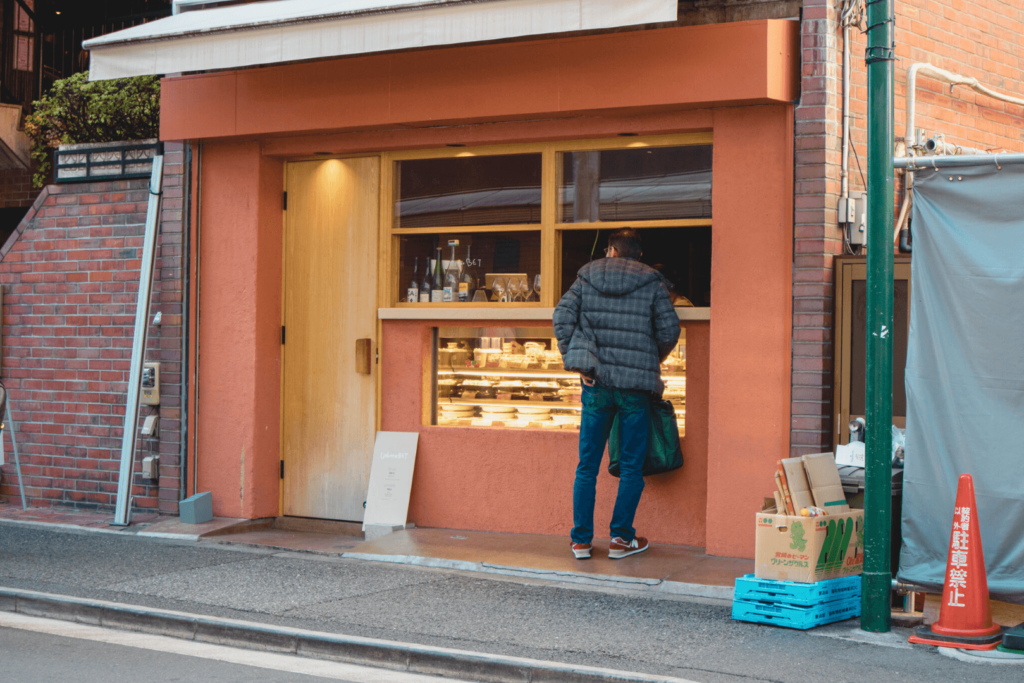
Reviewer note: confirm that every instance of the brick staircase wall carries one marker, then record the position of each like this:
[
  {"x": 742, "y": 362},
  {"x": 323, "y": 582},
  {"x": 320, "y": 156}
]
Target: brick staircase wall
[{"x": 70, "y": 277}]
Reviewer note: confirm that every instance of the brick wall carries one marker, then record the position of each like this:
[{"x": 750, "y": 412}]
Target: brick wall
[
  {"x": 16, "y": 189},
  {"x": 983, "y": 39},
  {"x": 70, "y": 280}
]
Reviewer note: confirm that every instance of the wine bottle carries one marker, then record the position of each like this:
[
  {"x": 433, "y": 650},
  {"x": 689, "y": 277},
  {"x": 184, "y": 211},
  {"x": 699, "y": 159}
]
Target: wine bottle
[
  {"x": 412, "y": 292},
  {"x": 437, "y": 283},
  {"x": 466, "y": 279},
  {"x": 451, "y": 276},
  {"x": 425, "y": 282}
]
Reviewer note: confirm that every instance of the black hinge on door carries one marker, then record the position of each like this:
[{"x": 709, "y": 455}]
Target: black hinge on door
[
  {"x": 282, "y": 334},
  {"x": 285, "y": 201},
  {"x": 282, "y": 469}
]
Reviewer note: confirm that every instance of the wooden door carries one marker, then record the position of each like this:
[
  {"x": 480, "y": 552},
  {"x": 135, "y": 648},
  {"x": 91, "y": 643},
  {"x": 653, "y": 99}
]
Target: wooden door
[{"x": 330, "y": 286}]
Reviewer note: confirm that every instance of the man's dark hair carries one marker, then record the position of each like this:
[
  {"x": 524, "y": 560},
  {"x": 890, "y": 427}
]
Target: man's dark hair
[{"x": 626, "y": 243}]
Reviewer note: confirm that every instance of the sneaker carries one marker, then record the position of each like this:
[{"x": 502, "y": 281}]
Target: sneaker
[
  {"x": 581, "y": 551},
  {"x": 619, "y": 548}
]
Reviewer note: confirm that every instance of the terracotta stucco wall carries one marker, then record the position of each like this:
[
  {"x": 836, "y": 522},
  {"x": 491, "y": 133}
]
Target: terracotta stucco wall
[
  {"x": 521, "y": 480},
  {"x": 751, "y": 303},
  {"x": 239, "y": 334},
  {"x": 747, "y": 344}
]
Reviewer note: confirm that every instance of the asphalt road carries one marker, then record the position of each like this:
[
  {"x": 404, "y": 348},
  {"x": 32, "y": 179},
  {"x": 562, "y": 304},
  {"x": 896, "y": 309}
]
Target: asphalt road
[
  {"x": 40, "y": 658},
  {"x": 666, "y": 635}
]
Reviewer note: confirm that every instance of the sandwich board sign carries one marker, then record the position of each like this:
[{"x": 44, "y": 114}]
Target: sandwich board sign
[{"x": 387, "y": 496}]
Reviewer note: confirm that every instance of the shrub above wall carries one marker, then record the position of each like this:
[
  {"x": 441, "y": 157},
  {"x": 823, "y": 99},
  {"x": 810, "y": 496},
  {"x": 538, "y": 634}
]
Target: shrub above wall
[{"x": 76, "y": 110}]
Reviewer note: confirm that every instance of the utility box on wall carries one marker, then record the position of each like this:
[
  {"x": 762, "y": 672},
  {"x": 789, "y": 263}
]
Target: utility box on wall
[{"x": 150, "y": 394}]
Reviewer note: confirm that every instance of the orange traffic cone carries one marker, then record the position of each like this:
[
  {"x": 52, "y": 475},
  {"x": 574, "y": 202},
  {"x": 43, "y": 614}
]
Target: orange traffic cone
[{"x": 965, "y": 618}]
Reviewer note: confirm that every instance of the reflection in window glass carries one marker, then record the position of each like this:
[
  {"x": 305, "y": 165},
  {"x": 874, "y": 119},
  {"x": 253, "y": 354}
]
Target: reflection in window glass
[
  {"x": 682, "y": 255},
  {"x": 491, "y": 190},
  {"x": 480, "y": 258},
  {"x": 657, "y": 183}
]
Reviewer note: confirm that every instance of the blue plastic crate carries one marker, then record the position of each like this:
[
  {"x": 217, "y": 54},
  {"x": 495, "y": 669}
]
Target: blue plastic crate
[
  {"x": 795, "y": 616},
  {"x": 791, "y": 593}
]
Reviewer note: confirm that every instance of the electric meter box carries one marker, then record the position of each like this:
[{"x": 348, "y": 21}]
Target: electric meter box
[{"x": 150, "y": 395}]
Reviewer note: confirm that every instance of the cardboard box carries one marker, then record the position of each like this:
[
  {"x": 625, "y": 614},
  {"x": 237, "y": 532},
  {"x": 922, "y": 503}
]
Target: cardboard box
[
  {"x": 799, "y": 489},
  {"x": 809, "y": 549},
  {"x": 826, "y": 486}
]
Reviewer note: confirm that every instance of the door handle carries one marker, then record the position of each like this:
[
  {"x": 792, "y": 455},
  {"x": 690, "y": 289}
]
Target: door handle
[{"x": 364, "y": 356}]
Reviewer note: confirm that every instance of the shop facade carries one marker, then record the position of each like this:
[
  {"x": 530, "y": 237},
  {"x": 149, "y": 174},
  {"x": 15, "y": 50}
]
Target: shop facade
[{"x": 305, "y": 345}]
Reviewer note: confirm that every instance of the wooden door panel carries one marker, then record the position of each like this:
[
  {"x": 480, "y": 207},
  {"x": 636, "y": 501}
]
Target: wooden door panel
[{"x": 329, "y": 303}]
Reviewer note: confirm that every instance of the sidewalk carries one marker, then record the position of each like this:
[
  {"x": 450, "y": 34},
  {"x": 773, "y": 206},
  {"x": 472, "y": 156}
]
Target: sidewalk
[
  {"x": 541, "y": 617},
  {"x": 679, "y": 570}
]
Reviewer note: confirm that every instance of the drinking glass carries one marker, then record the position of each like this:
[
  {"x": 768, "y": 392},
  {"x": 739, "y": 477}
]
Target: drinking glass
[
  {"x": 513, "y": 289},
  {"x": 498, "y": 287},
  {"x": 524, "y": 288},
  {"x": 536, "y": 285}
]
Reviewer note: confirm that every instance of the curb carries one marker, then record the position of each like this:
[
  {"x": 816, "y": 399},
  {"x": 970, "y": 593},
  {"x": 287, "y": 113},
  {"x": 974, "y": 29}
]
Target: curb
[
  {"x": 58, "y": 526},
  {"x": 408, "y": 657},
  {"x": 604, "y": 580}
]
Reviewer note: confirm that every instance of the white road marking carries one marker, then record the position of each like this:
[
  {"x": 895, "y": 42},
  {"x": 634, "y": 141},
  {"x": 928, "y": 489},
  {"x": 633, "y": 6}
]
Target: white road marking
[
  {"x": 190, "y": 648},
  {"x": 982, "y": 656}
]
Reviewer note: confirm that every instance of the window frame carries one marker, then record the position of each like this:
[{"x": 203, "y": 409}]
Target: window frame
[{"x": 389, "y": 288}]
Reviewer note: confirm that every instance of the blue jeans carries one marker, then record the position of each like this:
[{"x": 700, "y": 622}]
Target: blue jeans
[{"x": 600, "y": 404}]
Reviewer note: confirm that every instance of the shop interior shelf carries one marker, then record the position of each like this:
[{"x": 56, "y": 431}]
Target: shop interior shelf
[
  {"x": 509, "y": 372},
  {"x": 554, "y": 405}
]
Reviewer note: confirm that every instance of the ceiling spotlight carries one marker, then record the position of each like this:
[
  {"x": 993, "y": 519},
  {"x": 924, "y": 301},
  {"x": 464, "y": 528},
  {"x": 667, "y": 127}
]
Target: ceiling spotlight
[{"x": 454, "y": 144}]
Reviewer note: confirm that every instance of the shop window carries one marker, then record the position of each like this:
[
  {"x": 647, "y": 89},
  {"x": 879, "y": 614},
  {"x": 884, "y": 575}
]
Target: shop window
[
  {"x": 636, "y": 184},
  {"x": 489, "y": 266},
  {"x": 682, "y": 254},
  {"x": 512, "y": 378},
  {"x": 471, "y": 190},
  {"x": 524, "y": 218}
]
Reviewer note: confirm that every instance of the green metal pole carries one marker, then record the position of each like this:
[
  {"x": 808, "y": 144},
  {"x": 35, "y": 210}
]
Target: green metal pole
[{"x": 877, "y": 581}]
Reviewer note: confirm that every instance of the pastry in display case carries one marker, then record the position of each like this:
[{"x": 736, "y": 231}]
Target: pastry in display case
[{"x": 513, "y": 378}]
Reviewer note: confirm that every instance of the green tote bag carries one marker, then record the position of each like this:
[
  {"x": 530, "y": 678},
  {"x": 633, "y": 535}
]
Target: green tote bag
[{"x": 663, "y": 451}]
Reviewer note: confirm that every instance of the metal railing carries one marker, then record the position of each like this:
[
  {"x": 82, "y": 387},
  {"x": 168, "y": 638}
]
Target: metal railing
[{"x": 105, "y": 161}]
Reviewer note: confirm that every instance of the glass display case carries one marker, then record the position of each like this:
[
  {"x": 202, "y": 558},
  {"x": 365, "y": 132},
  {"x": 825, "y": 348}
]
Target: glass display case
[{"x": 513, "y": 378}]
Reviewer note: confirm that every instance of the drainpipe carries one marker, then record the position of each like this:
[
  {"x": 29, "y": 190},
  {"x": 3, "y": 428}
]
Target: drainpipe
[
  {"x": 844, "y": 175},
  {"x": 851, "y": 14}
]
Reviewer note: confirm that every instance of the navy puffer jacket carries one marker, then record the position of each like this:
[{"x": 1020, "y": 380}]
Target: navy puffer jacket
[{"x": 616, "y": 324}]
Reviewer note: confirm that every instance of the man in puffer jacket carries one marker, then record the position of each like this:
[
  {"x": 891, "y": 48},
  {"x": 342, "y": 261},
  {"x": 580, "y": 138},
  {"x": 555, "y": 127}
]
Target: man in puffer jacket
[{"x": 614, "y": 326}]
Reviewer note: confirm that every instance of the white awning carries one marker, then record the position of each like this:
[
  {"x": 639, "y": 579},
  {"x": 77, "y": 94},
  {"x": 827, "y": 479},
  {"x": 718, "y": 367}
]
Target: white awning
[{"x": 294, "y": 30}]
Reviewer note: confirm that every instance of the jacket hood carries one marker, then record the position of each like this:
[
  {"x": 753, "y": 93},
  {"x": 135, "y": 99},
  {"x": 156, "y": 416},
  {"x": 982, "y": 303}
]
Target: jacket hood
[{"x": 618, "y": 276}]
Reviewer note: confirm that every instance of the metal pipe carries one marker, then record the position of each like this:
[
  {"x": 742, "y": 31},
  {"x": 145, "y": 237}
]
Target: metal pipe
[
  {"x": 199, "y": 284},
  {"x": 879, "y": 58},
  {"x": 186, "y": 183},
  {"x": 951, "y": 79},
  {"x": 919, "y": 163},
  {"x": 17, "y": 460},
  {"x": 844, "y": 173},
  {"x": 131, "y": 411},
  {"x": 906, "y": 245},
  {"x": 938, "y": 146}
]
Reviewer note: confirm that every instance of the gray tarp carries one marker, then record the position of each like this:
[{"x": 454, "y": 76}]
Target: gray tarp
[{"x": 965, "y": 371}]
